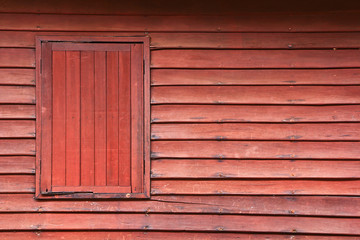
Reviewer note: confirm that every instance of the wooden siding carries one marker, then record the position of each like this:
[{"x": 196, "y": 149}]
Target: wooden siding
[{"x": 254, "y": 135}]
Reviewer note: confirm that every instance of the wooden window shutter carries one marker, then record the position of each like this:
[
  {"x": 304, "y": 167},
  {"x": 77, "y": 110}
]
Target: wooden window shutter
[{"x": 92, "y": 117}]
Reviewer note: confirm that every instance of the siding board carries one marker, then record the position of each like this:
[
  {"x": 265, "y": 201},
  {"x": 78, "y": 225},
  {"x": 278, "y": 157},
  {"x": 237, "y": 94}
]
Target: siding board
[
  {"x": 17, "y": 94},
  {"x": 284, "y": 169},
  {"x": 304, "y": 95},
  {"x": 234, "y": 113},
  {"x": 305, "y": 22},
  {"x": 171, "y": 222},
  {"x": 13, "y": 76},
  {"x": 227, "y": 204},
  {"x": 257, "y": 131},
  {"x": 17, "y": 111},
  {"x": 17, "y": 128},
  {"x": 191, "y": 58},
  {"x": 17, "y": 184},
  {"x": 255, "y": 149},
  {"x": 17, "y": 164},
  {"x": 255, "y": 77},
  {"x": 257, "y": 187},
  {"x": 17, "y": 147},
  {"x": 24, "y": 57}
]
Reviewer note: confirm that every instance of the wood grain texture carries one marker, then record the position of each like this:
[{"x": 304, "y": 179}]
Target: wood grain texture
[
  {"x": 117, "y": 235},
  {"x": 255, "y": 40},
  {"x": 257, "y": 131},
  {"x": 27, "y": 38},
  {"x": 255, "y": 149},
  {"x": 179, "y": 222},
  {"x": 17, "y": 94},
  {"x": 312, "y": 95},
  {"x": 285, "y": 22},
  {"x": 17, "y": 111},
  {"x": 226, "y": 204},
  {"x": 13, "y": 76},
  {"x": 17, "y": 184},
  {"x": 17, "y": 128},
  {"x": 17, "y": 57},
  {"x": 233, "y": 113},
  {"x": 17, "y": 147},
  {"x": 254, "y": 58},
  {"x": 285, "y": 169},
  {"x": 255, "y": 77},
  {"x": 257, "y": 187},
  {"x": 17, "y": 164}
]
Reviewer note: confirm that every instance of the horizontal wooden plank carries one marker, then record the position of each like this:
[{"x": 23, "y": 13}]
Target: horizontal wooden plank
[
  {"x": 17, "y": 57},
  {"x": 265, "y": 205},
  {"x": 255, "y": 150},
  {"x": 276, "y": 22},
  {"x": 162, "y": 7},
  {"x": 256, "y": 131},
  {"x": 255, "y": 40},
  {"x": 17, "y": 128},
  {"x": 178, "y": 222},
  {"x": 212, "y": 169},
  {"x": 15, "y": 76},
  {"x": 257, "y": 187},
  {"x": 209, "y": 40},
  {"x": 233, "y": 113},
  {"x": 17, "y": 184},
  {"x": 255, "y": 77},
  {"x": 117, "y": 235},
  {"x": 17, "y": 164},
  {"x": 17, "y": 94},
  {"x": 17, "y": 111},
  {"x": 17, "y": 146},
  {"x": 312, "y": 95},
  {"x": 174, "y": 58}
]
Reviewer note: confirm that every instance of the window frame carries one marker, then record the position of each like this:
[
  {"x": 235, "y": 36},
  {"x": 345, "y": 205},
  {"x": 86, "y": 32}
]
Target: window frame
[{"x": 42, "y": 180}]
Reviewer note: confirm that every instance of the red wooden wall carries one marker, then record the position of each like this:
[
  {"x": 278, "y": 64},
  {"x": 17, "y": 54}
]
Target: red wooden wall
[{"x": 255, "y": 127}]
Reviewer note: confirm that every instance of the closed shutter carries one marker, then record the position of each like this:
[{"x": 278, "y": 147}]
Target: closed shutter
[{"x": 91, "y": 119}]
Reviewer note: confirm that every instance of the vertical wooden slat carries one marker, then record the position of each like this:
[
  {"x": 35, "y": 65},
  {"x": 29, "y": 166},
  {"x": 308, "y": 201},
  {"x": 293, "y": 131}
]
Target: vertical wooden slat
[
  {"x": 136, "y": 118},
  {"x": 58, "y": 144},
  {"x": 100, "y": 118},
  {"x": 112, "y": 118},
  {"x": 72, "y": 118},
  {"x": 46, "y": 118},
  {"x": 124, "y": 119},
  {"x": 87, "y": 118}
]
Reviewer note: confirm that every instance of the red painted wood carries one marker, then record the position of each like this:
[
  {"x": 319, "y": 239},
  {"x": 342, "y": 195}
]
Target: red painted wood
[
  {"x": 137, "y": 118},
  {"x": 87, "y": 121},
  {"x": 73, "y": 91},
  {"x": 17, "y": 111},
  {"x": 100, "y": 118},
  {"x": 17, "y": 128},
  {"x": 254, "y": 59},
  {"x": 275, "y": 22},
  {"x": 257, "y": 187},
  {"x": 178, "y": 222},
  {"x": 112, "y": 104},
  {"x": 118, "y": 235},
  {"x": 17, "y": 94},
  {"x": 124, "y": 119},
  {"x": 17, "y": 76},
  {"x": 284, "y": 169},
  {"x": 255, "y": 149},
  {"x": 26, "y": 38},
  {"x": 226, "y": 204},
  {"x": 17, "y": 164},
  {"x": 17, "y": 184},
  {"x": 255, "y": 40},
  {"x": 233, "y": 113},
  {"x": 59, "y": 112},
  {"x": 314, "y": 95},
  {"x": 24, "y": 57},
  {"x": 255, "y": 77},
  {"x": 186, "y": 7},
  {"x": 258, "y": 131}
]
